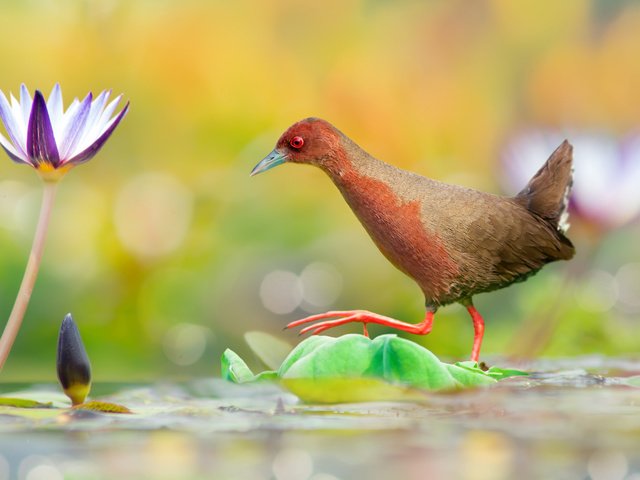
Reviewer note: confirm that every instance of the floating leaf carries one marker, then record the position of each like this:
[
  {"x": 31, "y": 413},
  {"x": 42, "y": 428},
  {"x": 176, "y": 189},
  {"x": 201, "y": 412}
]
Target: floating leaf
[
  {"x": 29, "y": 413},
  {"x": 387, "y": 357},
  {"x": 104, "y": 407},
  {"x": 349, "y": 390},
  {"x": 501, "y": 373},
  {"x": 354, "y": 368},
  {"x": 236, "y": 370},
  {"x": 270, "y": 350},
  {"x": 23, "y": 403},
  {"x": 493, "y": 372},
  {"x": 633, "y": 381}
]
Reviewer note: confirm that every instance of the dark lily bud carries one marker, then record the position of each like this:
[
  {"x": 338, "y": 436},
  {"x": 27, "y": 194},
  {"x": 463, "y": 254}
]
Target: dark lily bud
[{"x": 74, "y": 369}]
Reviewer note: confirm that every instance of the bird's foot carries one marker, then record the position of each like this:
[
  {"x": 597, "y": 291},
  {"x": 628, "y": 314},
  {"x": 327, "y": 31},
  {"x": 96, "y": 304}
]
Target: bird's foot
[{"x": 363, "y": 316}]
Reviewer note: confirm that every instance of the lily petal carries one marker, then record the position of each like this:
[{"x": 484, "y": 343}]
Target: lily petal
[
  {"x": 6, "y": 114},
  {"x": 54, "y": 106},
  {"x": 108, "y": 111},
  {"x": 41, "y": 143},
  {"x": 18, "y": 119},
  {"x": 11, "y": 151},
  {"x": 69, "y": 113},
  {"x": 101, "y": 123},
  {"x": 93, "y": 127},
  {"x": 96, "y": 109},
  {"x": 25, "y": 103},
  {"x": 75, "y": 127},
  {"x": 92, "y": 149}
]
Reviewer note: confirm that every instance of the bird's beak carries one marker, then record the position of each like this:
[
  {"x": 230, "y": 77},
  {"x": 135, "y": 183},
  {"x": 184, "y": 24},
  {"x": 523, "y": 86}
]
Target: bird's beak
[{"x": 275, "y": 158}]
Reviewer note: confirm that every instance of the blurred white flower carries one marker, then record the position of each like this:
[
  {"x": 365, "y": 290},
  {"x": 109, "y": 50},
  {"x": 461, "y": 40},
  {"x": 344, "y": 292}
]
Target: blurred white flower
[{"x": 606, "y": 176}]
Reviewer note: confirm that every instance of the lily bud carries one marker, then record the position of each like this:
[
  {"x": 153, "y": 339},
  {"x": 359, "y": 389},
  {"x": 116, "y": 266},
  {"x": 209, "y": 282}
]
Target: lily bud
[{"x": 74, "y": 368}]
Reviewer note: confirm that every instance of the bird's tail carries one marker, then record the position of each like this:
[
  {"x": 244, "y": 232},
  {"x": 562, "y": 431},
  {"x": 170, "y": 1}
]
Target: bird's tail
[{"x": 547, "y": 193}]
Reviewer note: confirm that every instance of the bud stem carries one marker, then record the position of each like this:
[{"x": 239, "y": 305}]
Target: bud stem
[{"x": 30, "y": 274}]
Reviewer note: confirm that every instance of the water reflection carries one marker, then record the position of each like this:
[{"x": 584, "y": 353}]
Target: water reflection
[
  {"x": 36, "y": 467},
  {"x": 292, "y": 464},
  {"x": 576, "y": 418},
  {"x": 607, "y": 465}
]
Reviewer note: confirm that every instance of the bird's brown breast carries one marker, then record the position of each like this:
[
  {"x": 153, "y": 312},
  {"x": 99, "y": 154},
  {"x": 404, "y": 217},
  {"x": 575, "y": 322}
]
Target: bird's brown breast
[{"x": 397, "y": 229}]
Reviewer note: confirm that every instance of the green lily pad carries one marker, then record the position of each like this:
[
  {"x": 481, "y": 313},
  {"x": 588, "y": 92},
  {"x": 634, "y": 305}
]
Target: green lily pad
[
  {"x": 234, "y": 369},
  {"x": 350, "y": 390},
  {"x": 493, "y": 372},
  {"x": 355, "y": 368}
]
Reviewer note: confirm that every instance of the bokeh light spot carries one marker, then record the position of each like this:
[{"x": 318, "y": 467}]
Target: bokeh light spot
[
  {"x": 152, "y": 214},
  {"x": 628, "y": 280},
  {"x": 487, "y": 455},
  {"x": 37, "y": 467},
  {"x": 44, "y": 472},
  {"x": 281, "y": 291},
  {"x": 607, "y": 466},
  {"x": 185, "y": 343},
  {"x": 599, "y": 292},
  {"x": 17, "y": 202},
  {"x": 321, "y": 284},
  {"x": 292, "y": 464}
]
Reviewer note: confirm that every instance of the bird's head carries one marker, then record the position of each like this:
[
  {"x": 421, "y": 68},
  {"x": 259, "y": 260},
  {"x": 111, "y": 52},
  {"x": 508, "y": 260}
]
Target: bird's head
[{"x": 312, "y": 140}]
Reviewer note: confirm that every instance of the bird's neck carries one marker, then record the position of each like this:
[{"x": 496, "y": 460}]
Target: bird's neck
[
  {"x": 349, "y": 162},
  {"x": 362, "y": 180}
]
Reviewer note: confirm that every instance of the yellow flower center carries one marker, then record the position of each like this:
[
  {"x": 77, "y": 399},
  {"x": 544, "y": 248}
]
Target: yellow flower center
[{"x": 49, "y": 173}]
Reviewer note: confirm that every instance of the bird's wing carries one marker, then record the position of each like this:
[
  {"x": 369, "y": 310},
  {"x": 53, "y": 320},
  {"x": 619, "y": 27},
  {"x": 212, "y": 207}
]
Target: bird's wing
[{"x": 495, "y": 240}]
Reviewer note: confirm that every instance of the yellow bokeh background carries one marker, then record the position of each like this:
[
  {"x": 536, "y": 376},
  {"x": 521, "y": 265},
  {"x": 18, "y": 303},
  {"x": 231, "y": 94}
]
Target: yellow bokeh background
[{"x": 161, "y": 244}]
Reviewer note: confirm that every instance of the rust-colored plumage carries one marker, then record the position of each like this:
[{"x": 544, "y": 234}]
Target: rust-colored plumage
[{"x": 455, "y": 242}]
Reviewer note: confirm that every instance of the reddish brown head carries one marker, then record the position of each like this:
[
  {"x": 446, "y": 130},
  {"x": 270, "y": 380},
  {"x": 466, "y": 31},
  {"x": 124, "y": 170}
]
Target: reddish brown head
[{"x": 312, "y": 140}]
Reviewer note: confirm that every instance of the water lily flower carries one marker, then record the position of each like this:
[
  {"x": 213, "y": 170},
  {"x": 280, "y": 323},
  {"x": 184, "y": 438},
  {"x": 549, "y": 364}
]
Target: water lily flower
[
  {"x": 606, "y": 177},
  {"x": 51, "y": 140},
  {"x": 72, "y": 362}
]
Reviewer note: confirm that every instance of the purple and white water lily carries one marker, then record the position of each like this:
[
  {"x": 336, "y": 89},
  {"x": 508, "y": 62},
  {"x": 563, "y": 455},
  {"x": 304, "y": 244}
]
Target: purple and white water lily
[
  {"x": 606, "y": 177},
  {"x": 52, "y": 140}
]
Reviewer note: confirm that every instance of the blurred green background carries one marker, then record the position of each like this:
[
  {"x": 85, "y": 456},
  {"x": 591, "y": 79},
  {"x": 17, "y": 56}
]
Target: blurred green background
[{"x": 166, "y": 252}]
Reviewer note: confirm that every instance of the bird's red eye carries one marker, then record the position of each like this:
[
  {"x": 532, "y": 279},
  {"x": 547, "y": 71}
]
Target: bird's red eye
[{"x": 297, "y": 142}]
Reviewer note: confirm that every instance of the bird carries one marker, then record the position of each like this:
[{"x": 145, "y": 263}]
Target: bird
[{"x": 454, "y": 242}]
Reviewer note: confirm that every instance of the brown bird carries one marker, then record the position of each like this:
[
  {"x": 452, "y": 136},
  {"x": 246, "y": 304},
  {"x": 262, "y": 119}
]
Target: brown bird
[{"x": 455, "y": 242}]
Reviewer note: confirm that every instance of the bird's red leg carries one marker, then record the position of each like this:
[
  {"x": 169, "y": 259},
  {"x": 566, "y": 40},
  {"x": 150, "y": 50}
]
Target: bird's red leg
[
  {"x": 363, "y": 317},
  {"x": 365, "y": 330},
  {"x": 478, "y": 329}
]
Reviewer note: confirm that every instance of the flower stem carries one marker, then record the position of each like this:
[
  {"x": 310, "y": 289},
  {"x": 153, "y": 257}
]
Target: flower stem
[{"x": 30, "y": 273}]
